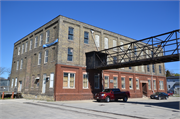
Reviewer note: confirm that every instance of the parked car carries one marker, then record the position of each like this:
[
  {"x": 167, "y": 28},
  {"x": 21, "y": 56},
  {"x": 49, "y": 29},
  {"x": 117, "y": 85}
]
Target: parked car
[
  {"x": 159, "y": 95},
  {"x": 170, "y": 93},
  {"x": 112, "y": 94}
]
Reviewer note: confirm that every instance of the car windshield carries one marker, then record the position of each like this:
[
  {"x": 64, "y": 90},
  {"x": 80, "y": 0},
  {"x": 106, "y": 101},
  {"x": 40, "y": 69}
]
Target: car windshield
[
  {"x": 157, "y": 93},
  {"x": 106, "y": 90}
]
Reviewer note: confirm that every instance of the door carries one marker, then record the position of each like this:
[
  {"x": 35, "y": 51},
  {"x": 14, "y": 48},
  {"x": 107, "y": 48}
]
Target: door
[
  {"x": 20, "y": 86},
  {"x": 144, "y": 89},
  {"x": 44, "y": 84}
]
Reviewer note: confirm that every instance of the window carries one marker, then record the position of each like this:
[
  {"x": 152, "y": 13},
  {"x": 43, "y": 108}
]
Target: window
[
  {"x": 19, "y": 48},
  {"x": 70, "y": 33},
  {"x": 114, "y": 59},
  {"x": 15, "y": 82},
  {"x": 160, "y": 69},
  {"x": 39, "y": 58},
  {"x": 130, "y": 83},
  {"x": 30, "y": 46},
  {"x": 149, "y": 84},
  {"x": 47, "y": 36},
  {"x": 85, "y": 80},
  {"x": 106, "y": 82},
  {"x": 137, "y": 83},
  {"x": 153, "y": 68},
  {"x": 86, "y": 37},
  {"x": 22, "y": 49},
  {"x": 106, "y": 43},
  {"x": 154, "y": 84},
  {"x": 97, "y": 40},
  {"x": 17, "y": 66},
  {"x": 12, "y": 83},
  {"x": 148, "y": 68},
  {"x": 51, "y": 80},
  {"x": 135, "y": 51},
  {"x": 121, "y": 48},
  {"x": 96, "y": 81},
  {"x": 130, "y": 67},
  {"x": 123, "y": 82},
  {"x": 115, "y": 81},
  {"x": 26, "y": 46},
  {"x": 161, "y": 85},
  {"x": 46, "y": 56},
  {"x": 114, "y": 45},
  {"x": 69, "y": 80},
  {"x": 36, "y": 42},
  {"x": 70, "y": 54},
  {"x": 136, "y": 68},
  {"x": 21, "y": 65},
  {"x": 142, "y": 67},
  {"x": 41, "y": 40}
]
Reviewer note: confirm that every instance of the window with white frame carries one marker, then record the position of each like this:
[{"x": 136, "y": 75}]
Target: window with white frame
[
  {"x": 154, "y": 84},
  {"x": 21, "y": 64},
  {"x": 39, "y": 58},
  {"x": 106, "y": 43},
  {"x": 40, "y": 39},
  {"x": 160, "y": 69},
  {"x": 70, "y": 33},
  {"x": 86, "y": 37},
  {"x": 97, "y": 40},
  {"x": 70, "y": 54},
  {"x": 47, "y": 36},
  {"x": 115, "y": 81},
  {"x": 149, "y": 84},
  {"x": 12, "y": 83},
  {"x": 17, "y": 65},
  {"x": 161, "y": 85},
  {"x": 26, "y": 45},
  {"x": 46, "y": 56},
  {"x": 130, "y": 83},
  {"x": 123, "y": 82},
  {"x": 69, "y": 80},
  {"x": 153, "y": 68},
  {"x": 96, "y": 81},
  {"x": 36, "y": 42},
  {"x": 22, "y": 51},
  {"x": 106, "y": 82},
  {"x": 85, "y": 80},
  {"x": 51, "y": 80},
  {"x": 114, "y": 45},
  {"x": 30, "y": 45},
  {"x": 137, "y": 83},
  {"x": 19, "y": 48},
  {"x": 15, "y": 85}
]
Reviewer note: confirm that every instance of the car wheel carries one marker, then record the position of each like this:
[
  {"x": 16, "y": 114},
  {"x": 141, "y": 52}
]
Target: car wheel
[
  {"x": 98, "y": 100},
  {"x": 107, "y": 99},
  {"x": 125, "y": 99},
  {"x": 159, "y": 98}
]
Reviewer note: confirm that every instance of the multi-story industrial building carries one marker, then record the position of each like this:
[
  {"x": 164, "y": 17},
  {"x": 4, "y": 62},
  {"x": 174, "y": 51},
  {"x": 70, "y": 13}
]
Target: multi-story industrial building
[{"x": 49, "y": 63}]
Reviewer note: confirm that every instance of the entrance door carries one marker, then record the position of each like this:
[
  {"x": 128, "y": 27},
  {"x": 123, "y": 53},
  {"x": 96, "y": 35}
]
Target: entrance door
[
  {"x": 44, "y": 84},
  {"x": 144, "y": 89},
  {"x": 20, "y": 86}
]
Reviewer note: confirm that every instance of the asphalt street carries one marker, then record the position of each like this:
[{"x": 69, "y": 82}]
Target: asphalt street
[{"x": 140, "y": 108}]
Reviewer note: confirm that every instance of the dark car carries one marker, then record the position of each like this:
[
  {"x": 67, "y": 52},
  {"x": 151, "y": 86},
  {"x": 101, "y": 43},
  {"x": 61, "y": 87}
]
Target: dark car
[
  {"x": 112, "y": 94},
  {"x": 169, "y": 93},
  {"x": 159, "y": 95}
]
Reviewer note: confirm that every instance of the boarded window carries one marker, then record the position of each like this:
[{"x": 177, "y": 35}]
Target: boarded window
[
  {"x": 106, "y": 43},
  {"x": 97, "y": 40}
]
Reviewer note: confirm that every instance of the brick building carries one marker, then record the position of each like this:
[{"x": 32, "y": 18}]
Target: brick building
[{"x": 50, "y": 63}]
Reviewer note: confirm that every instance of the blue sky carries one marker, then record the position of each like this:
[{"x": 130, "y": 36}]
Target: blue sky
[{"x": 137, "y": 20}]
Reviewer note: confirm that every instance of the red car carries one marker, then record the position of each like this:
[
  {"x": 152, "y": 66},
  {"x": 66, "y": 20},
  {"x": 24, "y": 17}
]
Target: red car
[
  {"x": 112, "y": 94},
  {"x": 169, "y": 93}
]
